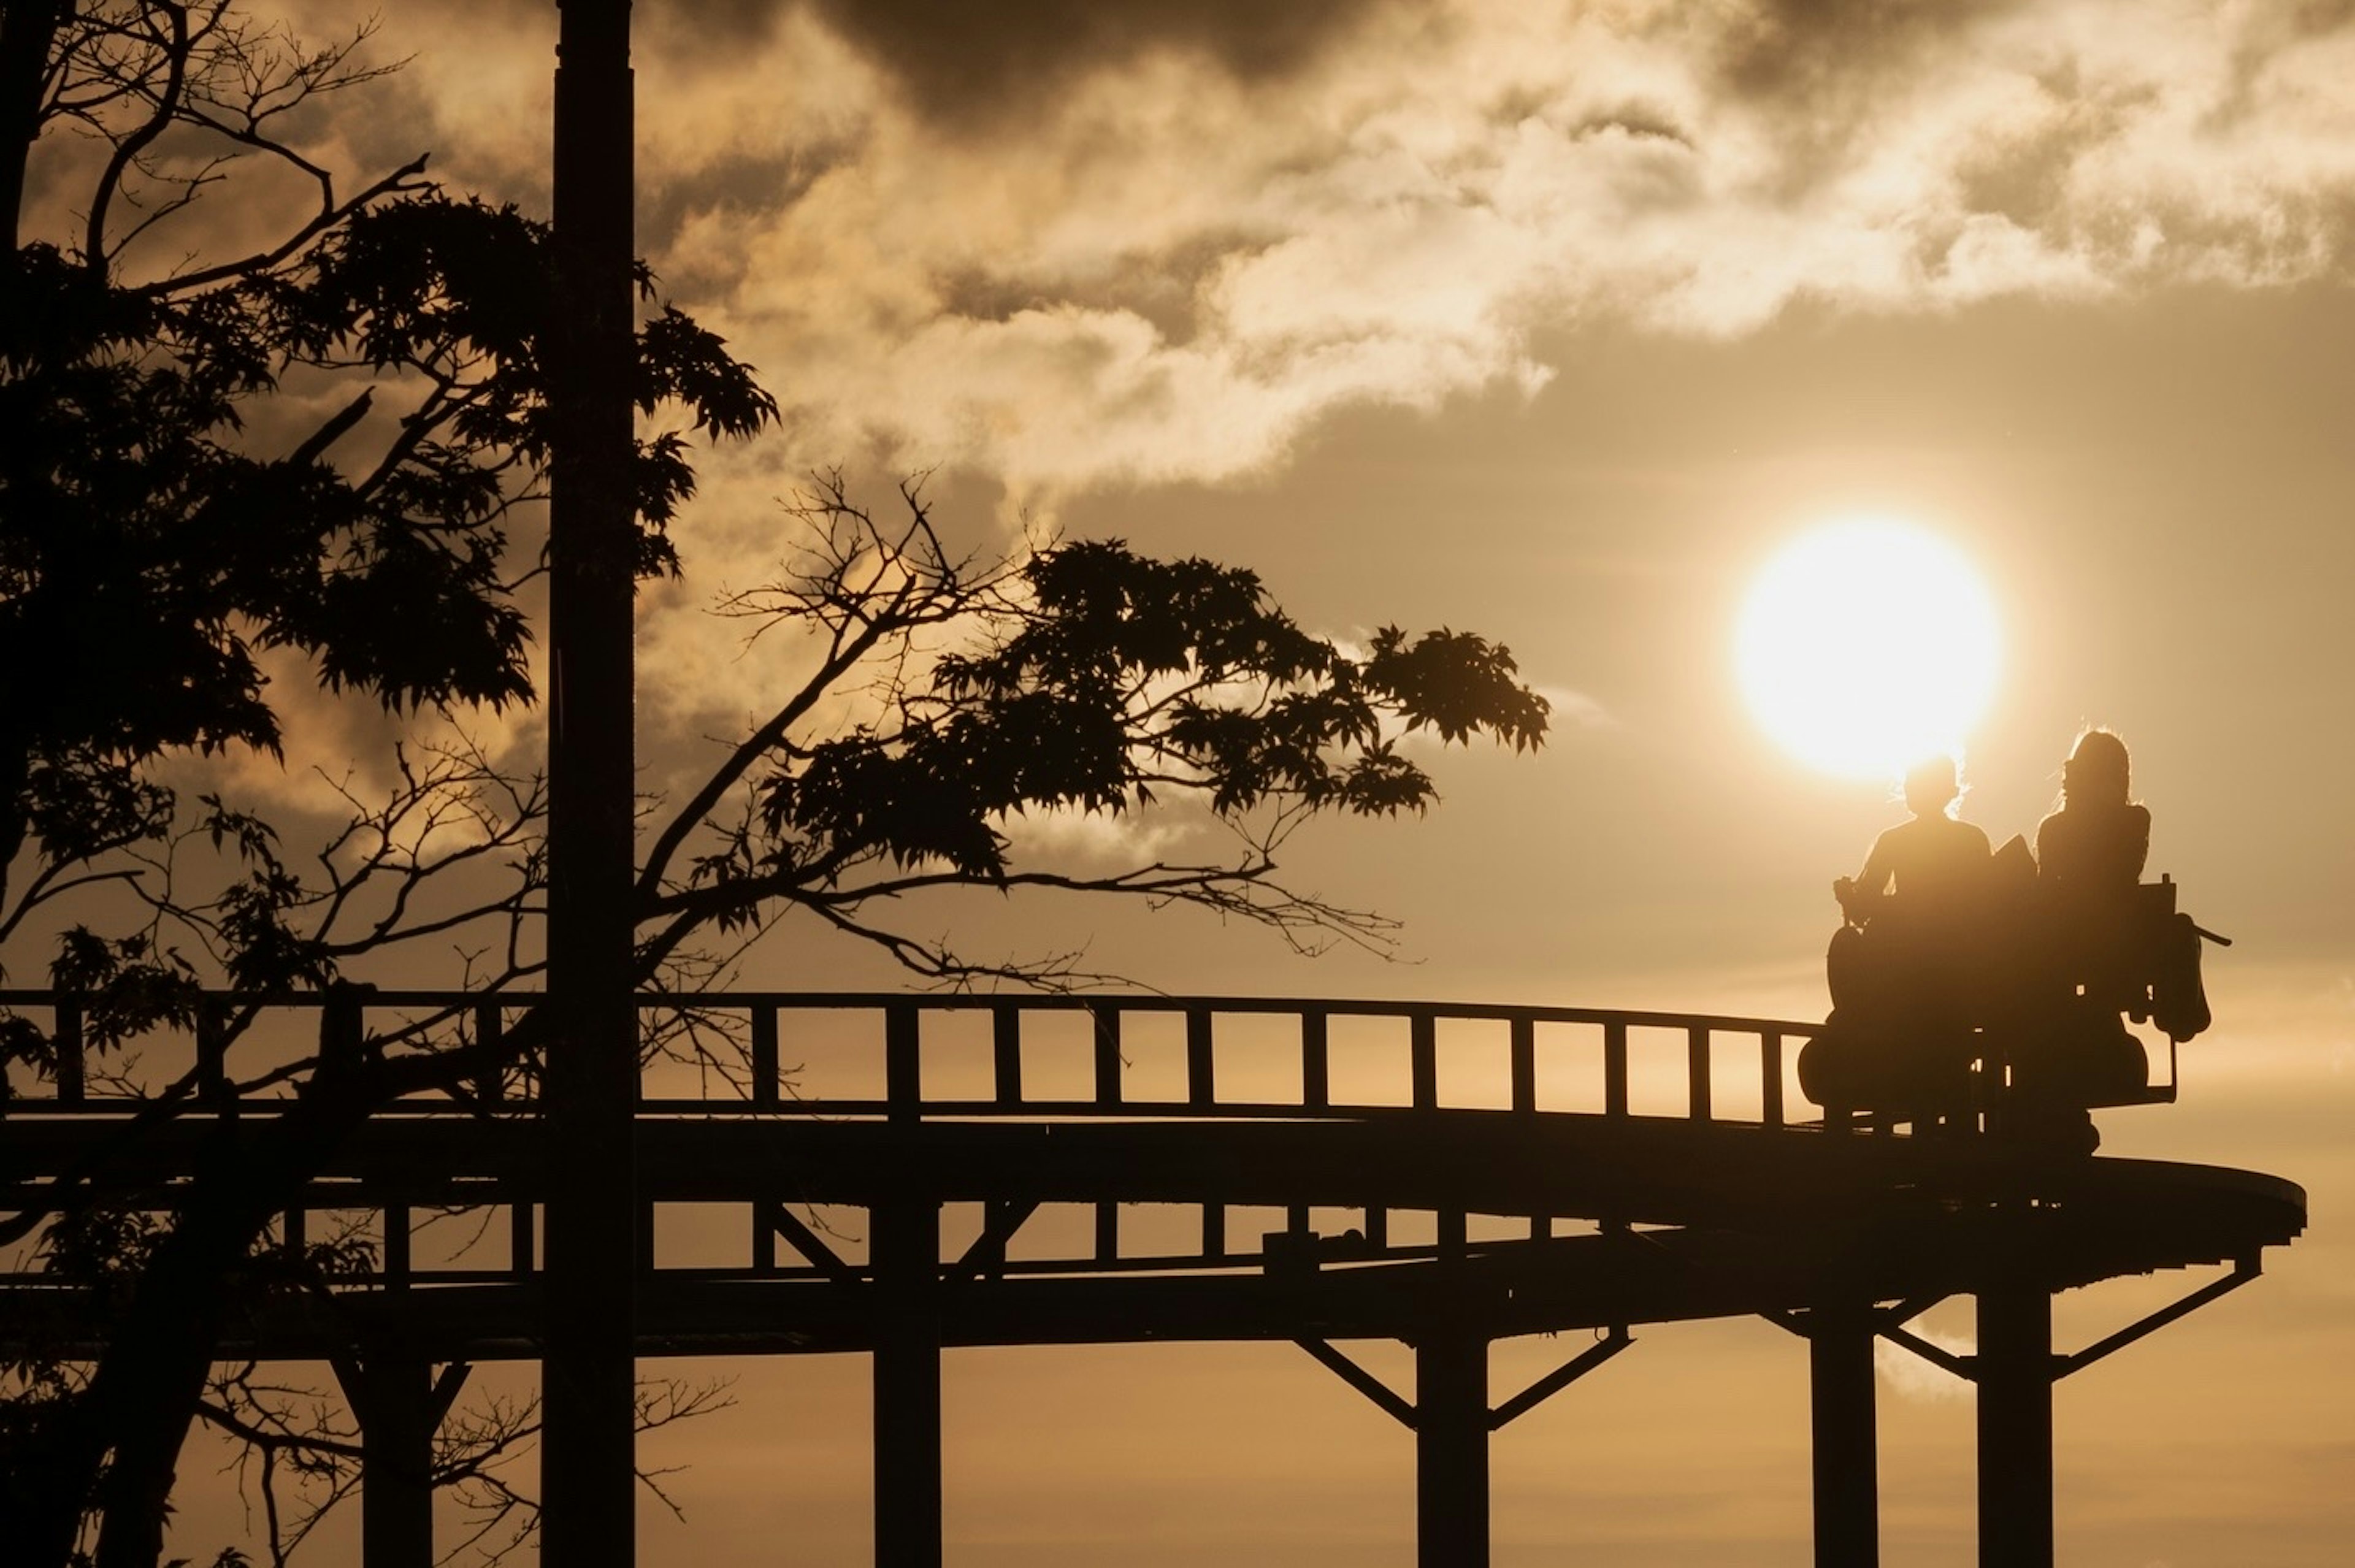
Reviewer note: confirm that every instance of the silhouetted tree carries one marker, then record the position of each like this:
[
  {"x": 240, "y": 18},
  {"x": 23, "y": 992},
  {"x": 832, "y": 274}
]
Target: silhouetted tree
[{"x": 321, "y": 446}]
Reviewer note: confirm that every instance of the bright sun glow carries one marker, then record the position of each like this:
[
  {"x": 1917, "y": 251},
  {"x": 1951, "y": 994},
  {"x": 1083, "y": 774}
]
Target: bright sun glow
[{"x": 1867, "y": 646}]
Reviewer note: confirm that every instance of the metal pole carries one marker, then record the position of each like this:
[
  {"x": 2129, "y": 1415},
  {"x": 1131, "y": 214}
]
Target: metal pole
[
  {"x": 395, "y": 1402},
  {"x": 588, "y": 1474},
  {"x": 1450, "y": 1449},
  {"x": 2015, "y": 1378},
  {"x": 1847, "y": 1447},
  {"x": 907, "y": 1250}
]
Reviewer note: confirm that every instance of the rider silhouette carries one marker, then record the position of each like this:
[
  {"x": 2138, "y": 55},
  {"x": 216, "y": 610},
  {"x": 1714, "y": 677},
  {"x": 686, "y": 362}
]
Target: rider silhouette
[
  {"x": 2094, "y": 848},
  {"x": 1939, "y": 864}
]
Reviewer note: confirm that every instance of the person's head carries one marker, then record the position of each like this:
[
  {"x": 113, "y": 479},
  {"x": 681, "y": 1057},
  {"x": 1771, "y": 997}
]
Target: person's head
[
  {"x": 2097, "y": 772},
  {"x": 1930, "y": 786}
]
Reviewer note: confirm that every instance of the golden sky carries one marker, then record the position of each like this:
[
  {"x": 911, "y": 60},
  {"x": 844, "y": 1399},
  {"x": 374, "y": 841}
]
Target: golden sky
[{"x": 1553, "y": 321}]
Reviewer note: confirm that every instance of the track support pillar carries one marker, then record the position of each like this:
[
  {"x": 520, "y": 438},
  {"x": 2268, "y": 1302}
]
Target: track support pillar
[
  {"x": 399, "y": 1405},
  {"x": 906, "y": 1238},
  {"x": 2015, "y": 1440},
  {"x": 1450, "y": 1449},
  {"x": 1846, "y": 1438}
]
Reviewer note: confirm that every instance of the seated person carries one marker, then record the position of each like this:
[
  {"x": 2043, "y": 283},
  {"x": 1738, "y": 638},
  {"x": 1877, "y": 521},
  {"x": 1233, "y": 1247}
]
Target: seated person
[
  {"x": 2093, "y": 848},
  {"x": 2097, "y": 938},
  {"x": 1939, "y": 865},
  {"x": 1905, "y": 969}
]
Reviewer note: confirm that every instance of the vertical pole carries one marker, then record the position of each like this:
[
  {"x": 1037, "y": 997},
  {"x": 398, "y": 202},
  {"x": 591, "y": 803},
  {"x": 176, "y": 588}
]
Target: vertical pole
[
  {"x": 1847, "y": 1446},
  {"x": 1523, "y": 1051},
  {"x": 68, "y": 1045},
  {"x": 1423, "y": 1060},
  {"x": 907, "y": 1242},
  {"x": 1450, "y": 1449},
  {"x": 1316, "y": 1061},
  {"x": 588, "y": 1475},
  {"x": 2015, "y": 1378},
  {"x": 1202, "y": 1061},
  {"x": 394, "y": 1400}
]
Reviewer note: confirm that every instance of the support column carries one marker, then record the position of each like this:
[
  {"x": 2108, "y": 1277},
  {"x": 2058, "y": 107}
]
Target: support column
[
  {"x": 2015, "y": 1378},
  {"x": 1450, "y": 1449},
  {"x": 395, "y": 1464},
  {"x": 588, "y": 1474},
  {"x": 399, "y": 1405},
  {"x": 906, "y": 1238},
  {"x": 1846, "y": 1443}
]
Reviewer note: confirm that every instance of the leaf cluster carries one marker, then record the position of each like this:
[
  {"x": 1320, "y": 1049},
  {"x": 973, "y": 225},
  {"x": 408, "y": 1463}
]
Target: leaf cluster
[{"x": 1104, "y": 679}]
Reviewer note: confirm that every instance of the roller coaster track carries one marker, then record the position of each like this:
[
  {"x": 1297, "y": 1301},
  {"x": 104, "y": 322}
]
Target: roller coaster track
[{"x": 894, "y": 1175}]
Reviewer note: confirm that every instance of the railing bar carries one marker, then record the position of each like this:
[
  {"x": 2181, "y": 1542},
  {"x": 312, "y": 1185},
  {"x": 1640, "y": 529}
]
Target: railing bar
[
  {"x": 1697, "y": 1069},
  {"x": 1422, "y": 1050},
  {"x": 1107, "y": 1232},
  {"x": 1005, "y": 1054},
  {"x": 1106, "y": 1020},
  {"x": 396, "y": 1246},
  {"x": 903, "y": 1088},
  {"x": 212, "y": 1055},
  {"x": 1525, "y": 1064},
  {"x": 874, "y": 1000},
  {"x": 1770, "y": 1067},
  {"x": 1614, "y": 1069},
  {"x": 490, "y": 1022},
  {"x": 1202, "y": 1059},
  {"x": 767, "y": 1069},
  {"x": 765, "y": 1237},
  {"x": 67, "y": 1032},
  {"x": 1214, "y": 1231},
  {"x": 1316, "y": 1062}
]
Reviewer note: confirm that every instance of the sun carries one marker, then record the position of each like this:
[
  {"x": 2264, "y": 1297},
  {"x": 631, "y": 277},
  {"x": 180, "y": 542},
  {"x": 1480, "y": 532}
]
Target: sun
[{"x": 1865, "y": 645}]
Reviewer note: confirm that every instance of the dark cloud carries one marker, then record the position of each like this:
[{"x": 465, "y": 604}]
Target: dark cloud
[
  {"x": 972, "y": 64},
  {"x": 1801, "y": 47}
]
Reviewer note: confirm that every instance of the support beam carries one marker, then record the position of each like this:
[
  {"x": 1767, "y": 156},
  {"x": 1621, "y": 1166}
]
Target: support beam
[
  {"x": 906, "y": 1250},
  {"x": 1847, "y": 1439},
  {"x": 1450, "y": 1449},
  {"x": 2015, "y": 1441},
  {"x": 1561, "y": 1378},
  {"x": 587, "y": 1471},
  {"x": 399, "y": 1405},
  {"x": 1385, "y": 1397}
]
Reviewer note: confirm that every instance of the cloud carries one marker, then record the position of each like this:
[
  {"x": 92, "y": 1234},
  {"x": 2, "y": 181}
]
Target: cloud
[
  {"x": 1072, "y": 245},
  {"x": 1060, "y": 247}
]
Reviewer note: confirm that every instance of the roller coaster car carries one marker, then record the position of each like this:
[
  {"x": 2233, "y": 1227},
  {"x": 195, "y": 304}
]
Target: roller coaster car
[{"x": 2017, "y": 1009}]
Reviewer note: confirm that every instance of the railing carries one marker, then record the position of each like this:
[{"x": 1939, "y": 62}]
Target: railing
[{"x": 1217, "y": 1055}]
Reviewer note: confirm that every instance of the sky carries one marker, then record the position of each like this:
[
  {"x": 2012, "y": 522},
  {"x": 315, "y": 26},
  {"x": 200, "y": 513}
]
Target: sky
[{"x": 1554, "y": 322}]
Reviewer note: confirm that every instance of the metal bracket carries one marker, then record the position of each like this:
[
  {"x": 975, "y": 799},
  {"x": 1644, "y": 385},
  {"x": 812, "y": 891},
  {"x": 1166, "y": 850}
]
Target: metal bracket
[
  {"x": 1615, "y": 1339},
  {"x": 1385, "y": 1397}
]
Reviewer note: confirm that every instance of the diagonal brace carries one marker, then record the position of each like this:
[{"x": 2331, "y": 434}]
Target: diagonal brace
[
  {"x": 807, "y": 1242},
  {"x": 2243, "y": 1270},
  {"x": 987, "y": 1253},
  {"x": 1364, "y": 1382},
  {"x": 1963, "y": 1366},
  {"x": 1616, "y": 1340},
  {"x": 446, "y": 1390}
]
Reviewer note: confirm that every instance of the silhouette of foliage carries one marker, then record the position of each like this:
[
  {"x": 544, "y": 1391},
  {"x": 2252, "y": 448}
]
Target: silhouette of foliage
[
  {"x": 317, "y": 453},
  {"x": 1071, "y": 677}
]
